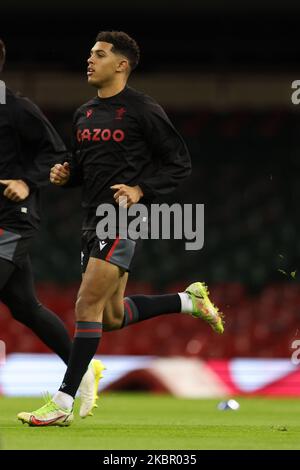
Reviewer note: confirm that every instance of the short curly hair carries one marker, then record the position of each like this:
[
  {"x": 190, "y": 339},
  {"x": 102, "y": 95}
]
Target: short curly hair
[
  {"x": 2, "y": 54},
  {"x": 123, "y": 44}
]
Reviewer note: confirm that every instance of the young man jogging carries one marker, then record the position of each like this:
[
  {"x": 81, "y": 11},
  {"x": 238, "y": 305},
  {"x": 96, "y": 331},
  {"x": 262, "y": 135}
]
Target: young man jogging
[{"x": 126, "y": 151}]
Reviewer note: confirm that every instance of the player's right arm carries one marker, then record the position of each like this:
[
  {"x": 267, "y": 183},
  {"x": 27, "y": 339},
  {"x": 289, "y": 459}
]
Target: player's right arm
[
  {"x": 68, "y": 173},
  {"x": 60, "y": 174}
]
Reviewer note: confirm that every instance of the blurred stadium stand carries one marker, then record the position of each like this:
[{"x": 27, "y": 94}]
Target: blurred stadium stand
[
  {"x": 245, "y": 172},
  {"x": 226, "y": 82},
  {"x": 261, "y": 325}
]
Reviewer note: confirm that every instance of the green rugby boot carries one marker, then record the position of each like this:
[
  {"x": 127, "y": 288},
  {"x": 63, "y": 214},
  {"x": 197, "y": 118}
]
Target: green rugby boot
[{"x": 203, "y": 307}]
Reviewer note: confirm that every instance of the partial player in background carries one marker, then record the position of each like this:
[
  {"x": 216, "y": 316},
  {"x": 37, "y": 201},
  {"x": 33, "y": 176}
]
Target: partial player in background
[
  {"x": 29, "y": 146},
  {"x": 126, "y": 151}
]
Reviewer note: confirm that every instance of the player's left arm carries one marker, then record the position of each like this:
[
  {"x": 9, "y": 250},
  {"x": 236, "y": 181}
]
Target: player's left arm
[
  {"x": 126, "y": 196},
  {"x": 170, "y": 154},
  {"x": 40, "y": 146}
]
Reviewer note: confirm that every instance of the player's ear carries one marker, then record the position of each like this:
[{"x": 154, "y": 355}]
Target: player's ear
[{"x": 123, "y": 66}]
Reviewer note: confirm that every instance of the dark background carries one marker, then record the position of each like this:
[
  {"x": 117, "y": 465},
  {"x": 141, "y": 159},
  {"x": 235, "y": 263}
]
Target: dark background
[
  {"x": 233, "y": 151},
  {"x": 245, "y": 154},
  {"x": 210, "y": 34}
]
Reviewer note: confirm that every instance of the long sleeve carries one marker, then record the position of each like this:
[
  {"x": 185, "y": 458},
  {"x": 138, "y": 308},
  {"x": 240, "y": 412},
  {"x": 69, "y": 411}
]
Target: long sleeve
[
  {"x": 169, "y": 152},
  {"x": 40, "y": 146},
  {"x": 73, "y": 160}
]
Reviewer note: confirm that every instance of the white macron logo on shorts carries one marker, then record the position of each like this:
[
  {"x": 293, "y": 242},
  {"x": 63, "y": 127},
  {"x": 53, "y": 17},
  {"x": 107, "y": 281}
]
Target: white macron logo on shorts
[{"x": 102, "y": 245}]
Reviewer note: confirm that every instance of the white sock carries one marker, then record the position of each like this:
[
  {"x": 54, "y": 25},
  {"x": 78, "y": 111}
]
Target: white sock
[
  {"x": 63, "y": 400},
  {"x": 186, "y": 302}
]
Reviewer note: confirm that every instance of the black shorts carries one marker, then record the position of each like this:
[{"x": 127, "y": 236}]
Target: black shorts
[
  {"x": 14, "y": 246},
  {"x": 118, "y": 251}
]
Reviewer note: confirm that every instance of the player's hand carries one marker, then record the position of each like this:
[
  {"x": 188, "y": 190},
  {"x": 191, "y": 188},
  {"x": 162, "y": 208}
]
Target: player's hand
[
  {"x": 60, "y": 174},
  {"x": 16, "y": 190},
  {"x": 125, "y": 195}
]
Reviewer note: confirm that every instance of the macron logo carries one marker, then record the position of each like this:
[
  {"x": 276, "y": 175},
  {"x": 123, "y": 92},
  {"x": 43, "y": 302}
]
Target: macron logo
[
  {"x": 89, "y": 113},
  {"x": 102, "y": 245}
]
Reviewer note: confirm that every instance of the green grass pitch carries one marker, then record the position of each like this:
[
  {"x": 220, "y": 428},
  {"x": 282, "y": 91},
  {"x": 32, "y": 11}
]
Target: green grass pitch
[{"x": 145, "y": 421}]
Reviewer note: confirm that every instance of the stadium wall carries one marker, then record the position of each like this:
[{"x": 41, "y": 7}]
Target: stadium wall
[{"x": 31, "y": 374}]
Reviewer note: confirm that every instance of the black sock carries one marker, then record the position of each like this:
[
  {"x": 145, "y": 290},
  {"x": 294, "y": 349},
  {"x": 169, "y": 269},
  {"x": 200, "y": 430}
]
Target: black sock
[
  {"x": 86, "y": 340},
  {"x": 142, "y": 307}
]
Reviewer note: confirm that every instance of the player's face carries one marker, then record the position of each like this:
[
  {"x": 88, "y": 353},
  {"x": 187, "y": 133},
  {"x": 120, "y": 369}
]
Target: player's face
[{"x": 103, "y": 64}]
